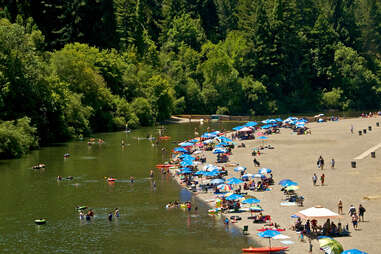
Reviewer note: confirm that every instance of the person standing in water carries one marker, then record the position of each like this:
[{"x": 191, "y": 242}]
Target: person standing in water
[
  {"x": 110, "y": 216},
  {"x": 132, "y": 179},
  {"x": 151, "y": 173},
  {"x": 116, "y": 213}
]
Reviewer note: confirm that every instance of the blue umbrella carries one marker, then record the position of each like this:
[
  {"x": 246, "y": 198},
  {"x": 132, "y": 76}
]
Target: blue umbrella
[
  {"x": 225, "y": 139},
  {"x": 247, "y": 175},
  {"x": 186, "y": 163},
  {"x": 278, "y": 119},
  {"x": 180, "y": 149},
  {"x": 186, "y": 144},
  {"x": 211, "y": 174},
  {"x": 263, "y": 137},
  {"x": 217, "y": 181},
  {"x": 234, "y": 197},
  {"x": 238, "y": 128},
  {"x": 234, "y": 181},
  {"x": 268, "y": 234},
  {"x": 201, "y": 172},
  {"x": 266, "y": 126},
  {"x": 284, "y": 181},
  {"x": 286, "y": 184},
  {"x": 264, "y": 171},
  {"x": 223, "y": 144},
  {"x": 251, "y": 201},
  {"x": 219, "y": 150},
  {"x": 239, "y": 169},
  {"x": 251, "y": 124},
  {"x": 187, "y": 157},
  {"x": 294, "y": 216},
  {"x": 259, "y": 176},
  {"x": 194, "y": 140},
  {"x": 353, "y": 251}
]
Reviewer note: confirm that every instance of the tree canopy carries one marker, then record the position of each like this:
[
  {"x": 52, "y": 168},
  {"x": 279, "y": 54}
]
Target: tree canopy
[{"x": 78, "y": 66}]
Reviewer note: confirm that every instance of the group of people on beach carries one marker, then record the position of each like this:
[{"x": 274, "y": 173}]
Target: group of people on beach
[{"x": 356, "y": 217}]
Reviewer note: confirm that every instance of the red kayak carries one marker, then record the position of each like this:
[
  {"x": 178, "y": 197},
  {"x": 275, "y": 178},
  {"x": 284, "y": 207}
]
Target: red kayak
[
  {"x": 165, "y": 165},
  {"x": 164, "y": 137},
  {"x": 110, "y": 179},
  {"x": 278, "y": 229},
  {"x": 264, "y": 249}
]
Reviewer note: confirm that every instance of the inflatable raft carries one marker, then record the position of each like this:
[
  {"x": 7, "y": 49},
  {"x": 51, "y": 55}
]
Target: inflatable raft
[
  {"x": 264, "y": 249},
  {"x": 40, "y": 221}
]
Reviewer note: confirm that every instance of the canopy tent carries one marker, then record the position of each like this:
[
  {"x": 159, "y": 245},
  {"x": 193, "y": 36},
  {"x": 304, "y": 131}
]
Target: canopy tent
[
  {"x": 317, "y": 212},
  {"x": 251, "y": 124}
]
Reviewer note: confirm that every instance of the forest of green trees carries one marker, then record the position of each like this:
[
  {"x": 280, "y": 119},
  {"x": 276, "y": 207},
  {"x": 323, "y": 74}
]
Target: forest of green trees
[{"x": 72, "y": 67}]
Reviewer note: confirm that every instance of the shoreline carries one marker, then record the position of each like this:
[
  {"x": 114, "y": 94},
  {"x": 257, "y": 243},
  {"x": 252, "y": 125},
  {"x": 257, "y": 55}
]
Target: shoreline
[{"x": 295, "y": 158}]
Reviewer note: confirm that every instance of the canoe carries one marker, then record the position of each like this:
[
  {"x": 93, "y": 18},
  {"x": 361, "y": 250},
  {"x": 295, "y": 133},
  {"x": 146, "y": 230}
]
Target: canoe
[
  {"x": 40, "y": 221},
  {"x": 264, "y": 249},
  {"x": 165, "y": 165},
  {"x": 164, "y": 138}
]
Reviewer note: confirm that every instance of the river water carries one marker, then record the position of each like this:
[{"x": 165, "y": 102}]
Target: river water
[{"x": 144, "y": 226}]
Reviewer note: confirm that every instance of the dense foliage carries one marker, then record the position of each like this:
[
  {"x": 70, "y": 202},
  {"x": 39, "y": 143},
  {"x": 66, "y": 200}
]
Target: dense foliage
[
  {"x": 79, "y": 66},
  {"x": 16, "y": 137}
]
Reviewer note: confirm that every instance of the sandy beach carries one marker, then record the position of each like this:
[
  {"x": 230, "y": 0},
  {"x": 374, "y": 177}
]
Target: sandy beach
[{"x": 294, "y": 157}]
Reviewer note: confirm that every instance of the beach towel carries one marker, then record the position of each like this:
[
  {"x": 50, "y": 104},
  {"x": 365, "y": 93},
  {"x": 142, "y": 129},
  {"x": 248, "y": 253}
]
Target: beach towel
[
  {"x": 281, "y": 237},
  {"x": 287, "y": 203},
  {"x": 287, "y": 242}
]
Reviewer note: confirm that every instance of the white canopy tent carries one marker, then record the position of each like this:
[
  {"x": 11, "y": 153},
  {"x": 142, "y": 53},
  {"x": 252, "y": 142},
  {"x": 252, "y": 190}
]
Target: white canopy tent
[{"x": 317, "y": 212}]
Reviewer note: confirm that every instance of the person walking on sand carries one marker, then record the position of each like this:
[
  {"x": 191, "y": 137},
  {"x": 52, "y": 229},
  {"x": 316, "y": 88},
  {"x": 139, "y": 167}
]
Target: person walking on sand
[
  {"x": 361, "y": 213},
  {"x": 314, "y": 179},
  {"x": 332, "y": 163},
  {"x": 310, "y": 245},
  {"x": 352, "y": 210},
  {"x": 355, "y": 219},
  {"x": 322, "y": 177},
  {"x": 340, "y": 207},
  {"x": 351, "y": 128},
  {"x": 321, "y": 162}
]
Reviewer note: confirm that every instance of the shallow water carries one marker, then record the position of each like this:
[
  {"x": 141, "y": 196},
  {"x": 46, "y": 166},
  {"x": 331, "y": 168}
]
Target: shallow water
[{"x": 145, "y": 226}]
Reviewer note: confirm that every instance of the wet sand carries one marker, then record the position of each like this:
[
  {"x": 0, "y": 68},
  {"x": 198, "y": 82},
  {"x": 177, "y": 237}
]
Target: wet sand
[{"x": 295, "y": 156}]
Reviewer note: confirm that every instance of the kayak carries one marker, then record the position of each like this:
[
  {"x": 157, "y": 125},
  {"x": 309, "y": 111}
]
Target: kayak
[
  {"x": 40, "y": 221},
  {"x": 264, "y": 229},
  {"x": 81, "y": 207},
  {"x": 164, "y": 138},
  {"x": 164, "y": 165},
  {"x": 264, "y": 249},
  {"x": 110, "y": 179}
]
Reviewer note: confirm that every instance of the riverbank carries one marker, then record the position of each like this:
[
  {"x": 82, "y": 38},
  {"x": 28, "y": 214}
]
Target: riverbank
[{"x": 295, "y": 156}]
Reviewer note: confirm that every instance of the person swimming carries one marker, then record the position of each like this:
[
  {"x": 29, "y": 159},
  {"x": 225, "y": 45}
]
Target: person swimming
[{"x": 81, "y": 215}]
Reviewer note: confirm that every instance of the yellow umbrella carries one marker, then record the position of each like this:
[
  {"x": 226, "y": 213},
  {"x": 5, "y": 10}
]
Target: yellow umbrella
[{"x": 292, "y": 188}]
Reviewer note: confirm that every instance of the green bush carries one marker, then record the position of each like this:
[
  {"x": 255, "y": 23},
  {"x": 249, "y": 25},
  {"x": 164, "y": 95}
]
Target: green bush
[{"x": 17, "y": 138}]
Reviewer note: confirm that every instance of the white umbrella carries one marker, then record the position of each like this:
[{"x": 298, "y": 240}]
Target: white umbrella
[{"x": 317, "y": 212}]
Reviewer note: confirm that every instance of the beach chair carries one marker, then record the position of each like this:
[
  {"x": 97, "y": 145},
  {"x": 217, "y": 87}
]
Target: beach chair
[{"x": 245, "y": 230}]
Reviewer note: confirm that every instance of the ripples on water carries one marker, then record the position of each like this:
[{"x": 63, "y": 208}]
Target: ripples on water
[{"x": 145, "y": 226}]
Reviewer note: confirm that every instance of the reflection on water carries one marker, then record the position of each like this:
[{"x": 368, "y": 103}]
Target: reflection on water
[{"x": 144, "y": 226}]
